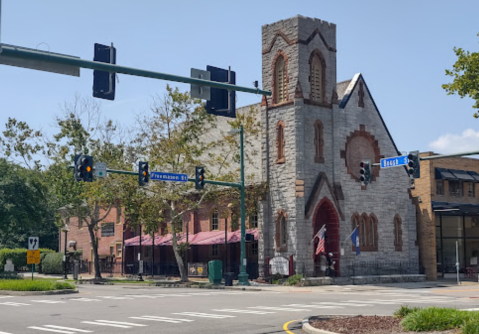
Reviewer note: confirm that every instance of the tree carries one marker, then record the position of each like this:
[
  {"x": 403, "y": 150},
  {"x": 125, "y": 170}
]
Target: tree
[
  {"x": 177, "y": 135},
  {"x": 466, "y": 77},
  {"x": 25, "y": 208}
]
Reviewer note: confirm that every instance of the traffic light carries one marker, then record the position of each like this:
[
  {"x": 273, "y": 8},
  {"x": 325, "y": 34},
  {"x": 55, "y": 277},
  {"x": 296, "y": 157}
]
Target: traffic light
[
  {"x": 104, "y": 82},
  {"x": 414, "y": 165},
  {"x": 365, "y": 172},
  {"x": 199, "y": 178},
  {"x": 143, "y": 173},
  {"x": 222, "y": 102},
  {"x": 83, "y": 168}
]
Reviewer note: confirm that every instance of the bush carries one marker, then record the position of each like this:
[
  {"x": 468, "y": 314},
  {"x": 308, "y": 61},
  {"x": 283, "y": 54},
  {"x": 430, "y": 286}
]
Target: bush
[
  {"x": 293, "y": 280},
  {"x": 10, "y": 275},
  {"x": 18, "y": 256},
  {"x": 52, "y": 263},
  {"x": 27, "y": 285},
  {"x": 405, "y": 310},
  {"x": 434, "y": 319}
]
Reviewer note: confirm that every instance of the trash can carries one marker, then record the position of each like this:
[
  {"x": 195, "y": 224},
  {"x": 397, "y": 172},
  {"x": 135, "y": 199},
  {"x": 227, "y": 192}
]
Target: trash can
[
  {"x": 215, "y": 273},
  {"x": 76, "y": 269},
  {"x": 229, "y": 279}
]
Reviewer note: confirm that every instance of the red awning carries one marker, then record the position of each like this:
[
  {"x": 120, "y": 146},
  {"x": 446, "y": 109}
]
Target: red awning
[{"x": 198, "y": 239}]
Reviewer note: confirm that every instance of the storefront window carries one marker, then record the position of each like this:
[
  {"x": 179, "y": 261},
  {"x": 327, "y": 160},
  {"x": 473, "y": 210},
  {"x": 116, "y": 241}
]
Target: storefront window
[
  {"x": 452, "y": 226},
  {"x": 472, "y": 252},
  {"x": 472, "y": 227},
  {"x": 449, "y": 255}
]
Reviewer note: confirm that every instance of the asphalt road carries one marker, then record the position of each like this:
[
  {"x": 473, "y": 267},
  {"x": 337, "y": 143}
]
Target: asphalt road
[{"x": 121, "y": 309}]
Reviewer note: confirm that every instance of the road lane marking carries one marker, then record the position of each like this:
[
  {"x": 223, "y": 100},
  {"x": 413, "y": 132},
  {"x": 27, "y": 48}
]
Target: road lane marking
[
  {"x": 122, "y": 323},
  {"x": 279, "y": 308},
  {"x": 105, "y": 324},
  {"x": 206, "y": 315},
  {"x": 114, "y": 297},
  {"x": 70, "y": 329},
  {"x": 243, "y": 311},
  {"x": 5, "y": 297},
  {"x": 340, "y": 304},
  {"x": 48, "y": 301},
  {"x": 315, "y": 306},
  {"x": 163, "y": 319},
  {"x": 51, "y": 330},
  {"x": 85, "y": 299},
  {"x": 4, "y": 333},
  {"x": 285, "y": 326},
  {"x": 14, "y": 304}
]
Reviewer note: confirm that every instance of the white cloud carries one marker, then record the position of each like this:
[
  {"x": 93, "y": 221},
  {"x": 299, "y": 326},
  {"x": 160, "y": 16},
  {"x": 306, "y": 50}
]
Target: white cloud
[{"x": 468, "y": 140}]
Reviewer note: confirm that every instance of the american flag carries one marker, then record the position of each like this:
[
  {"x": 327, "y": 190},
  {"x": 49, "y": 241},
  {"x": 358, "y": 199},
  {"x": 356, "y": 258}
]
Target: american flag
[{"x": 320, "y": 235}]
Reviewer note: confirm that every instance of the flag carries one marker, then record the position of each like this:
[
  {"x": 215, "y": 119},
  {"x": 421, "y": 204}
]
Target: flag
[
  {"x": 355, "y": 240},
  {"x": 320, "y": 235}
]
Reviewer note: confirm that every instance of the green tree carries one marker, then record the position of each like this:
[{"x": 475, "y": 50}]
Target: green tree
[{"x": 466, "y": 77}]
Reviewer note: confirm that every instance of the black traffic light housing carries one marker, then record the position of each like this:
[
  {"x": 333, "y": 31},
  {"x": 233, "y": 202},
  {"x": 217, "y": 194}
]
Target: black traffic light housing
[
  {"x": 199, "y": 178},
  {"x": 414, "y": 166},
  {"x": 83, "y": 170},
  {"x": 365, "y": 172},
  {"x": 143, "y": 173},
  {"x": 103, "y": 81}
]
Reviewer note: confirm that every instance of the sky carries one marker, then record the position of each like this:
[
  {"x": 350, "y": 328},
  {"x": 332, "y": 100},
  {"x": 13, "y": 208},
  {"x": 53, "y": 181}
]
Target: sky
[{"x": 402, "y": 48}]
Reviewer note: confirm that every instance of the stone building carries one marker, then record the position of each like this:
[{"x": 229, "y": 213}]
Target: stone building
[
  {"x": 315, "y": 133},
  {"x": 448, "y": 211}
]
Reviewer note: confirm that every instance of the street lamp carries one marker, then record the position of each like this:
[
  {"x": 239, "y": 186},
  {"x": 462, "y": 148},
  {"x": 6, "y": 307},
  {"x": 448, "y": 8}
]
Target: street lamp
[
  {"x": 65, "y": 229},
  {"x": 243, "y": 275}
]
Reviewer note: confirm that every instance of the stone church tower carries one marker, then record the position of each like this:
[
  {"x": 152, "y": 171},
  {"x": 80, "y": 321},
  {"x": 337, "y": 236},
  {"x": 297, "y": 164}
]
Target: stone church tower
[{"x": 315, "y": 133}]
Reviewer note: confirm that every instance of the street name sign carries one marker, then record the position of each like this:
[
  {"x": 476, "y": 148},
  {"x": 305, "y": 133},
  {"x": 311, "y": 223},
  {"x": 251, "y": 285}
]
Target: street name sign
[
  {"x": 33, "y": 243},
  {"x": 33, "y": 257},
  {"x": 159, "y": 176},
  {"x": 100, "y": 169},
  {"x": 394, "y": 161}
]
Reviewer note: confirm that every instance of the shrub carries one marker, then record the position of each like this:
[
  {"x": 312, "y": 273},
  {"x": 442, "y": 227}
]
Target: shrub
[
  {"x": 405, "y": 310},
  {"x": 18, "y": 256},
  {"x": 10, "y": 275},
  {"x": 293, "y": 280},
  {"x": 434, "y": 319},
  {"x": 52, "y": 263}
]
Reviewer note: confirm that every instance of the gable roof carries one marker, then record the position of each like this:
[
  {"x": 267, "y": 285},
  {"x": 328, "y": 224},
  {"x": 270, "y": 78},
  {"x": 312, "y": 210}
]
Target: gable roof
[{"x": 344, "y": 99}]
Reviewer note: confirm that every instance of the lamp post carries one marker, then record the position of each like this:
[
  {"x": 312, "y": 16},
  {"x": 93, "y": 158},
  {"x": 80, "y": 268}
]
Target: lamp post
[
  {"x": 65, "y": 229},
  {"x": 243, "y": 275}
]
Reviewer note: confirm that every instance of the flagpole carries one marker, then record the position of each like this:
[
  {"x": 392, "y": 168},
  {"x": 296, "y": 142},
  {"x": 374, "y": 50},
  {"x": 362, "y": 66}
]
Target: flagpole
[
  {"x": 349, "y": 235},
  {"x": 316, "y": 235}
]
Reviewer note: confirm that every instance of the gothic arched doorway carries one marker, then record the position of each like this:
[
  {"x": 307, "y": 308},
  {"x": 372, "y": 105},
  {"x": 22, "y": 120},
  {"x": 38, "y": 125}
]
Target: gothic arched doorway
[{"x": 325, "y": 214}]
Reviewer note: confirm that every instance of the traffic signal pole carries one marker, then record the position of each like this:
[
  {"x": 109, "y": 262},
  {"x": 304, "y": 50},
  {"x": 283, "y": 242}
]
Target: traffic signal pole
[
  {"x": 20, "y": 53},
  {"x": 442, "y": 156},
  {"x": 243, "y": 275}
]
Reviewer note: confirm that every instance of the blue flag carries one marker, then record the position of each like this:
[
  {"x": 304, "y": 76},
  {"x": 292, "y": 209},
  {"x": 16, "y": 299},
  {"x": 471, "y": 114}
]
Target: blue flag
[{"x": 355, "y": 240}]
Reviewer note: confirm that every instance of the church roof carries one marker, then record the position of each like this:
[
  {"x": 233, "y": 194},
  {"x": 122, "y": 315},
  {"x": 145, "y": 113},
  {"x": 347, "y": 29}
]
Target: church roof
[{"x": 341, "y": 88}]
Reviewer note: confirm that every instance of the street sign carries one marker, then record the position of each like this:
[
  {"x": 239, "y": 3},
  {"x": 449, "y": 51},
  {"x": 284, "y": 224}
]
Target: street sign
[
  {"x": 33, "y": 257},
  {"x": 33, "y": 243},
  {"x": 200, "y": 92},
  {"x": 159, "y": 176},
  {"x": 394, "y": 161},
  {"x": 100, "y": 169}
]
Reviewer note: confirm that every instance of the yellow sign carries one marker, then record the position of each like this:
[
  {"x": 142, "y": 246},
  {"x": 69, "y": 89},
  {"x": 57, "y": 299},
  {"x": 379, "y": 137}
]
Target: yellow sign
[
  {"x": 33, "y": 257},
  {"x": 200, "y": 270}
]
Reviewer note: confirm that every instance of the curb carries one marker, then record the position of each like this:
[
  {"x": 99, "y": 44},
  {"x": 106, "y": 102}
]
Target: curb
[
  {"x": 176, "y": 285},
  {"x": 311, "y": 330},
  {"x": 37, "y": 293}
]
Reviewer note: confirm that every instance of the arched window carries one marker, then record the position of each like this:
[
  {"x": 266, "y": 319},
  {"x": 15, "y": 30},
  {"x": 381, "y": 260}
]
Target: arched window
[
  {"x": 316, "y": 78},
  {"x": 362, "y": 231},
  {"x": 397, "y": 233},
  {"x": 280, "y": 142},
  {"x": 280, "y": 80},
  {"x": 368, "y": 232},
  {"x": 318, "y": 141},
  {"x": 281, "y": 237}
]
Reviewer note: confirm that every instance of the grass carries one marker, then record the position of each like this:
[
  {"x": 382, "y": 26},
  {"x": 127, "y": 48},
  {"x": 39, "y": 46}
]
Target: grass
[
  {"x": 438, "y": 319},
  {"x": 39, "y": 285}
]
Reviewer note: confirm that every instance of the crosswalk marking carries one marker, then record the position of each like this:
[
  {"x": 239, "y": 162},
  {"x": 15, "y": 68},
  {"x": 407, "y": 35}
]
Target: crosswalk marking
[
  {"x": 143, "y": 296},
  {"x": 314, "y": 306},
  {"x": 69, "y": 328},
  {"x": 163, "y": 319},
  {"x": 51, "y": 330},
  {"x": 244, "y": 311},
  {"x": 386, "y": 302},
  {"x": 114, "y": 297},
  {"x": 340, "y": 304},
  {"x": 14, "y": 304},
  {"x": 279, "y": 308},
  {"x": 4, "y": 333},
  {"x": 206, "y": 315},
  {"x": 85, "y": 299},
  {"x": 104, "y": 324},
  {"x": 48, "y": 301},
  {"x": 5, "y": 297},
  {"x": 122, "y": 323}
]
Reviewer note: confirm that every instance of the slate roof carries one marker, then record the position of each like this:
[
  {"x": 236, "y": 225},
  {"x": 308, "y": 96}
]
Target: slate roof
[{"x": 341, "y": 88}]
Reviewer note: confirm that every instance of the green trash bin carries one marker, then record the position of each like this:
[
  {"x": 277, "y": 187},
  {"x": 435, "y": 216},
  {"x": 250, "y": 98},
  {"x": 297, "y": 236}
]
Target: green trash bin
[{"x": 215, "y": 269}]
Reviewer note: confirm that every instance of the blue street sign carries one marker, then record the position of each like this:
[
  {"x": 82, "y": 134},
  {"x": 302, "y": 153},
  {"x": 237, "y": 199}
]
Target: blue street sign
[
  {"x": 394, "y": 161},
  {"x": 159, "y": 176}
]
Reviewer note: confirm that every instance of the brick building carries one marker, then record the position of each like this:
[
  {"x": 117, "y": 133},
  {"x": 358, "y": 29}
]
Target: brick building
[
  {"x": 314, "y": 133},
  {"x": 448, "y": 211}
]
